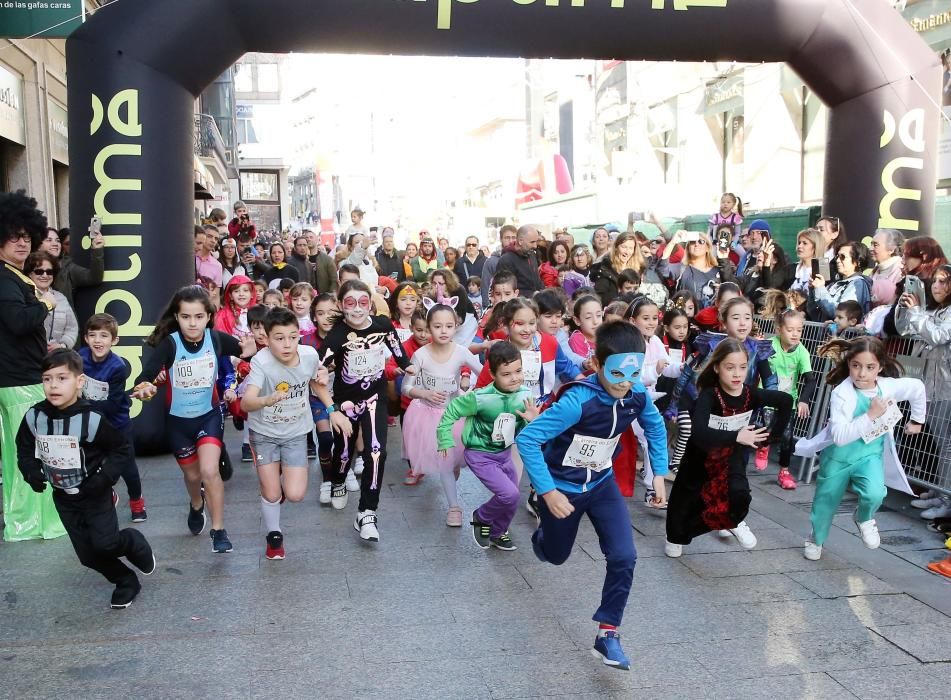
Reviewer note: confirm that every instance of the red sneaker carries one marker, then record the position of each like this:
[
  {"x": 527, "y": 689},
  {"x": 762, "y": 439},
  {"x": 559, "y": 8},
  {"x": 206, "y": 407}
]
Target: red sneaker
[
  {"x": 275, "y": 546},
  {"x": 786, "y": 480},
  {"x": 762, "y": 458},
  {"x": 137, "y": 506}
]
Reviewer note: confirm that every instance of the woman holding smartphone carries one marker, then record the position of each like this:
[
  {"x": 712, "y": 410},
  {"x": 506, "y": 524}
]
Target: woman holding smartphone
[
  {"x": 850, "y": 259},
  {"x": 71, "y": 275},
  {"x": 700, "y": 271},
  {"x": 810, "y": 251}
]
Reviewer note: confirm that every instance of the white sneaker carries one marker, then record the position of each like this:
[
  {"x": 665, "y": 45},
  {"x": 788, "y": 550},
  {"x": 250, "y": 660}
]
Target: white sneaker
[
  {"x": 325, "y": 488},
  {"x": 724, "y": 533},
  {"x": 812, "y": 551},
  {"x": 744, "y": 535},
  {"x": 869, "y": 532},
  {"x": 351, "y": 482},
  {"x": 673, "y": 550},
  {"x": 338, "y": 496},
  {"x": 365, "y": 524},
  {"x": 357, "y": 466},
  {"x": 942, "y": 510}
]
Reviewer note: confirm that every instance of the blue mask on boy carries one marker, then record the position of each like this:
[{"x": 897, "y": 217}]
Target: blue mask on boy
[{"x": 623, "y": 367}]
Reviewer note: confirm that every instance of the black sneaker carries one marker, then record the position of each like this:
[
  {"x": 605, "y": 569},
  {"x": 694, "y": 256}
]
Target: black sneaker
[
  {"x": 125, "y": 593},
  {"x": 480, "y": 532},
  {"x": 220, "y": 544},
  {"x": 224, "y": 465},
  {"x": 197, "y": 518},
  {"x": 531, "y": 505},
  {"x": 246, "y": 453},
  {"x": 238, "y": 422},
  {"x": 143, "y": 558},
  {"x": 503, "y": 542}
]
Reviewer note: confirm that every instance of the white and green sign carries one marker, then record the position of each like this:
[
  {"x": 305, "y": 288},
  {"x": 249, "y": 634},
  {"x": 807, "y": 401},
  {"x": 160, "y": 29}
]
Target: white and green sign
[{"x": 44, "y": 18}]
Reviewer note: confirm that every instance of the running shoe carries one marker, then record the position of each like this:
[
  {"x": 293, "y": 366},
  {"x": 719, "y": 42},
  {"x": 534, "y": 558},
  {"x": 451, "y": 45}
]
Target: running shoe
[
  {"x": 762, "y": 458},
  {"x": 480, "y": 532},
  {"x": 246, "y": 455},
  {"x": 275, "y": 545},
  {"x": 125, "y": 593},
  {"x": 786, "y": 480},
  {"x": 220, "y": 544},
  {"x": 531, "y": 505},
  {"x": 365, "y": 524},
  {"x": 137, "y": 506},
  {"x": 351, "y": 482},
  {"x": 358, "y": 465},
  {"x": 607, "y": 647},
  {"x": 869, "y": 532},
  {"x": 143, "y": 559},
  {"x": 454, "y": 517},
  {"x": 942, "y": 510},
  {"x": 338, "y": 496},
  {"x": 650, "y": 497},
  {"x": 926, "y": 499},
  {"x": 224, "y": 465},
  {"x": 391, "y": 421},
  {"x": 744, "y": 535},
  {"x": 325, "y": 487},
  {"x": 812, "y": 551},
  {"x": 673, "y": 550},
  {"x": 503, "y": 542},
  {"x": 197, "y": 518}
]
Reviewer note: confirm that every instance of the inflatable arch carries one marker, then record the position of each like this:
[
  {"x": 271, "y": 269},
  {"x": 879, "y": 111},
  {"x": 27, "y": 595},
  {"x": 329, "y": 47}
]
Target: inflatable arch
[{"x": 136, "y": 67}]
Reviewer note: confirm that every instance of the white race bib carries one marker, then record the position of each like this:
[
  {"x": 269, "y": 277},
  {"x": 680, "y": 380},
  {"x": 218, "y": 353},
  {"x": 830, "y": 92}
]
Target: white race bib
[
  {"x": 61, "y": 460},
  {"x": 403, "y": 334},
  {"x": 286, "y": 412},
  {"x": 675, "y": 357},
  {"x": 367, "y": 363},
  {"x": 884, "y": 423},
  {"x": 731, "y": 423},
  {"x": 445, "y": 385},
  {"x": 503, "y": 430},
  {"x": 785, "y": 384},
  {"x": 198, "y": 373},
  {"x": 95, "y": 390},
  {"x": 590, "y": 452}
]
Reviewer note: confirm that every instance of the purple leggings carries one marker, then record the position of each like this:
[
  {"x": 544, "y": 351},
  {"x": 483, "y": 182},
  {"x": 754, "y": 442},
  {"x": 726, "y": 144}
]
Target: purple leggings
[{"x": 497, "y": 472}]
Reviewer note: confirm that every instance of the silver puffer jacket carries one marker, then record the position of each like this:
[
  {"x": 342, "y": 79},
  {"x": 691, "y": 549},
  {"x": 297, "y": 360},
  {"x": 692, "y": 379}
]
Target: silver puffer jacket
[{"x": 933, "y": 329}]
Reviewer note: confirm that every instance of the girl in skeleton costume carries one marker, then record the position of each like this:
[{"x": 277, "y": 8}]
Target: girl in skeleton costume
[
  {"x": 355, "y": 349},
  {"x": 438, "y": 380}
]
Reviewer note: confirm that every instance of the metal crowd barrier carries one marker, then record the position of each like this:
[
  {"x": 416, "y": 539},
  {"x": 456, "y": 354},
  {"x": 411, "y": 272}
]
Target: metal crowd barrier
[{"x": 926, "y": 456}]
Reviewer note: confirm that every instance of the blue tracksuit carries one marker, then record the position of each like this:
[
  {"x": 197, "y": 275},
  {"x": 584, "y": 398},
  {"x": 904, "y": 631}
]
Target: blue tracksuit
[{"x": 554, "y": 447}]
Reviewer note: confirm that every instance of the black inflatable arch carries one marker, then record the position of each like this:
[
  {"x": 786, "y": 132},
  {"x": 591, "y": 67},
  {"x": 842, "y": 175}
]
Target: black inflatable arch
[{"x": 136, "y": 67}]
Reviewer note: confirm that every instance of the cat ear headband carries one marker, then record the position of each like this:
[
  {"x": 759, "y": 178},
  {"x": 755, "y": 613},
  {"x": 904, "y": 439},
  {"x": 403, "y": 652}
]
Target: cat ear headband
[{"x": 451, "y": 302}]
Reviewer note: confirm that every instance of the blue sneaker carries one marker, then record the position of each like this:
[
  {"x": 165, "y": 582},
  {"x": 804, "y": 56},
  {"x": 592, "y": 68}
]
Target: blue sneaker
[{"x": 607, "y": 647}]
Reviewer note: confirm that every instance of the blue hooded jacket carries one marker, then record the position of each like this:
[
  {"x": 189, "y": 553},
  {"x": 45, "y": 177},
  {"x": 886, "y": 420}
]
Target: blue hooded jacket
[{"x": 586, "y": 409}]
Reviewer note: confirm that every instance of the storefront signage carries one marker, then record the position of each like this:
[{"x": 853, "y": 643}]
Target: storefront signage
[
  {"x": 12, "y": 125},
  {"x": 59, "y": 135},
  {"x": 23, "y": 18}
]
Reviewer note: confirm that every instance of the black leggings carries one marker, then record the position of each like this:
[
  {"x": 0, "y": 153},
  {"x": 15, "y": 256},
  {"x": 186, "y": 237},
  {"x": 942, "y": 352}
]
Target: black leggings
[{"x": 368, "y": 417}]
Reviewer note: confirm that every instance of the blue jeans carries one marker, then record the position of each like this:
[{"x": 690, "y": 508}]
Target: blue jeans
[{"x": 607, "y": 511}]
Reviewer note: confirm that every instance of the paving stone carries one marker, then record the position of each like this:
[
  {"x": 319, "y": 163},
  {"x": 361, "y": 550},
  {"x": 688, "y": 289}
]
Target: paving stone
[
  {"x": 885, "y": 521},
  {"x": 897, "y": 682},
  {"x": 815, "y": 686},
  {"x": 841, "y": 582},
  {"x": 926, "y": 642},
  {"x": 752, "y": 562}
]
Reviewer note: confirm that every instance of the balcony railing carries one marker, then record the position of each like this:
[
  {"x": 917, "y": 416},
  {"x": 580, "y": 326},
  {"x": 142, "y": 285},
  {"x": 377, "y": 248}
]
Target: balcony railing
[{"x": 208, "y": 141}]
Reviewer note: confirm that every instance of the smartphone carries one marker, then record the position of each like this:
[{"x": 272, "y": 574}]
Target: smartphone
[
  {"x": 637, "y": 216},
  {"x": 692, "y": 237},
  {"x": 723, "y": 239},
  {"x": 95, "y": 226},
  {"x": 821, "y": 267},
  {"x": 914, "y": 285}
]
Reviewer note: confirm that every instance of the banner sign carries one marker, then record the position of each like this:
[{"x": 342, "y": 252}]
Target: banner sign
[{"x": 44, "y": 18}]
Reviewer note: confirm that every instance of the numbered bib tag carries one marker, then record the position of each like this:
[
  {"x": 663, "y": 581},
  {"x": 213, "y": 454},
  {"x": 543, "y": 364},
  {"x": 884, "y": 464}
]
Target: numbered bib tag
[
  {"x": 367, "y": 363},
  {"x": 732, "y": 424},
  {"x": 198, "y": 373},
  {"x": 785, "y": 384},
  {"x": 503, "y": 430},
  {"x": 62, "y": 460},
  {"x": 531, "y": 365},
  {"x": 95, "y": 390},
  {"x": 403, "y": 334},
  {"x": 884, "y": 423},
  {"x": 590, "y": 453},
  {"x": 445, "y": 385},
  {"x": 287, "y": 411},
  {"x": 675, "y": 357}
]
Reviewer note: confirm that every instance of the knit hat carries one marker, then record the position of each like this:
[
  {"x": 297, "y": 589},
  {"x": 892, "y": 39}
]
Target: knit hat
[{"x": 759, "y": 225}]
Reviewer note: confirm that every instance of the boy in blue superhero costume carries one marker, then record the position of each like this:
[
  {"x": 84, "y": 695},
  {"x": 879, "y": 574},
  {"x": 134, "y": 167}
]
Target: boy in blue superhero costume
[{"x": 568, "y": 451}]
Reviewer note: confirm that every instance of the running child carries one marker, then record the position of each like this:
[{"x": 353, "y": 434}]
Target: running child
[
  {"x": 232, "y": 319},
  {"x": 279, "y": 418},
  {"x": 356, "y": 349},
  {"x": 196, "y": 361},
  {"x": 273, "y": 298},
  {"x": 551, "y": 320},
  {"x": 437, "y": 381},
  {"x": 106, "y": 375},
  {"x": 324, "y": 314},
  {"x": 66, "y": 442},
  {"x": 419, "y": 336},
  {"x": 790, "y": 363},
  {"x": 676, "y": 342},
  {"x": 403, "y": 303},
  {"x": 493, "y": 415},
  {"x": 711, "y": 491},
  {"x": 301, "y": 298},
  {"x": 587, "y": 315},
  {"x": 568, "y": 452},
  {"x": 857, "y": 447}
]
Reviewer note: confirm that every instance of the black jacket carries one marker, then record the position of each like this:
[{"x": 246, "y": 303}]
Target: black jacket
[
  {"x": 103, "y": 449},
  {"x": 525, "y": 268},
  {"x": 391, "y": 265},
  {"x": 305, "y": 271},
  {"x": 605, "y": 280},
  {"x": 466, "y": 269},
  {"x": 22, "y": 334}
]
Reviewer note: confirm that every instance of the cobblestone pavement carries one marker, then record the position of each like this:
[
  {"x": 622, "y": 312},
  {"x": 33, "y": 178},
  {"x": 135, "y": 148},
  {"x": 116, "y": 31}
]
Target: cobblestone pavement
[{"x": 426, "y": 614}]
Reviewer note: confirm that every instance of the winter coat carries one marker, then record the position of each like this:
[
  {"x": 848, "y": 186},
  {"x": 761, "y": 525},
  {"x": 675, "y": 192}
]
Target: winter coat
[
  {"x": 72, "y": 276},
  {"x": 822, "y": 301},
  {"x": 525, "y": 268},
  {"x": 61, "y": 324},
  {"x": 933, "y": 330}
]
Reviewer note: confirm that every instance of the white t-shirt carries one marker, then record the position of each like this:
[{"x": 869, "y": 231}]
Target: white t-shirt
[
  {"x": 291, "y": 417},
  {"x": 442, "y": 376}
]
